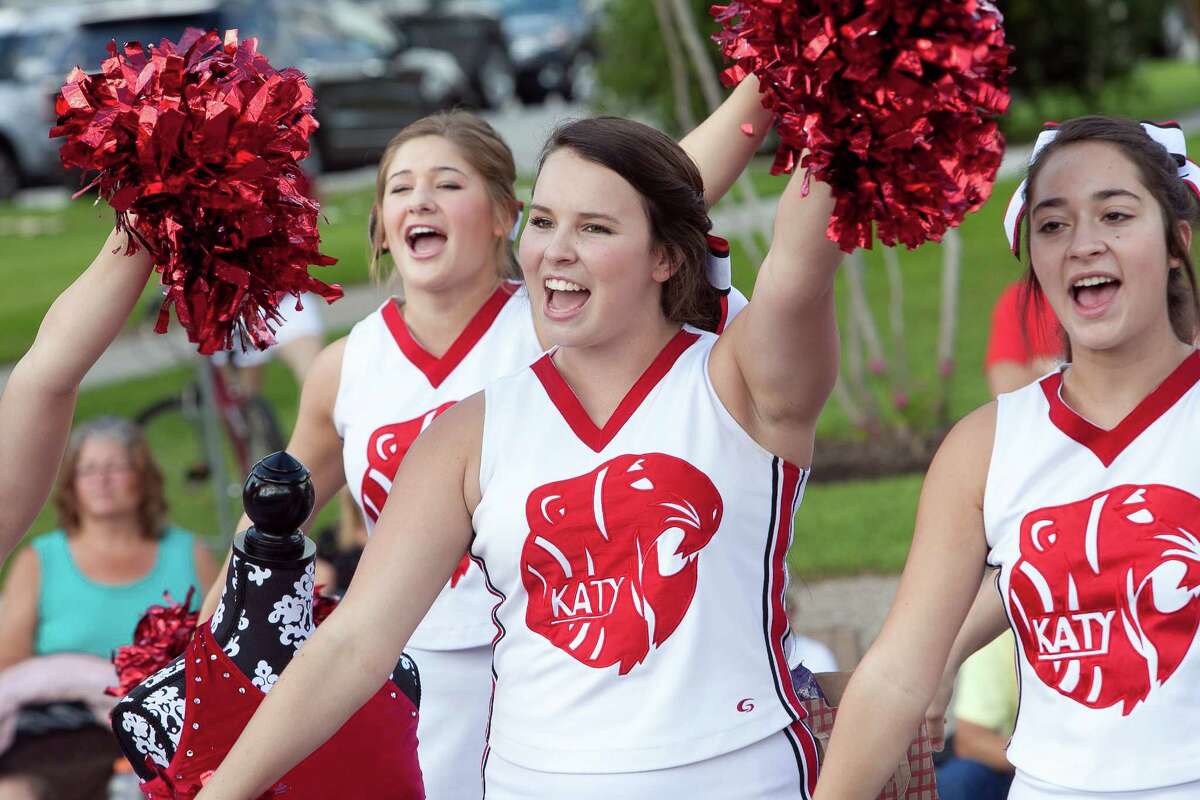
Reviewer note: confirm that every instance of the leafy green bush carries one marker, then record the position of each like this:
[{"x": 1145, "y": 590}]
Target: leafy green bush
[
  {"x": 1079, "y": 45},
  {"x": 634, "y": 75}
]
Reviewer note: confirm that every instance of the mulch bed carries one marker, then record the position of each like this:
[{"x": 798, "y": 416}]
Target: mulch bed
[{"x": 879, "y": 455}]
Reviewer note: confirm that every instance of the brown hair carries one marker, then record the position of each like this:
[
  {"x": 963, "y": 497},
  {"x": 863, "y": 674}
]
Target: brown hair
[
  {"x": 484, "y": 150},
  {"x": 1159, "y": 172},
  {"x": 672, "y": 194},
  {"x": 152, "y": 509}
]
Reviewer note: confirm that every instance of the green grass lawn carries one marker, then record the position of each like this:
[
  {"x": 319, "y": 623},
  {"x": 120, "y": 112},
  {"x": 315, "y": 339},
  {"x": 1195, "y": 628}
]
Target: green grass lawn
[{"x": 852, "y": 527}]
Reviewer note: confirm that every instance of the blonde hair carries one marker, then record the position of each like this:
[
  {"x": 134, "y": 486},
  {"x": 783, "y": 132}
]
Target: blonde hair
[{"x": 485, "y": 151}]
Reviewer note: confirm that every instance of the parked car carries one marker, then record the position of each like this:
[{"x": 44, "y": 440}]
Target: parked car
[
  {"x": 470, "y": 30},
  {"x": 31, "y": 50},
  {"x": 367, "y": 88},
  {"x": 552, "y": 46}
]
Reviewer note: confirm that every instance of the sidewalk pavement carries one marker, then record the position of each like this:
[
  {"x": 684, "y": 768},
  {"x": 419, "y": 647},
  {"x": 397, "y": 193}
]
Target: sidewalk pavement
[{"x": 140, "y": 353}]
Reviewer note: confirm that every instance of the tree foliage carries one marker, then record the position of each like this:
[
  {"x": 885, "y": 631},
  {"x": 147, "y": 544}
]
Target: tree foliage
[{"x": 1073, "y": 45}]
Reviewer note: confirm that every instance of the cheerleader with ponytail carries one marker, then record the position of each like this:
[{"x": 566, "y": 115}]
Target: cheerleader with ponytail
[{"x": 1081, "y": 488}]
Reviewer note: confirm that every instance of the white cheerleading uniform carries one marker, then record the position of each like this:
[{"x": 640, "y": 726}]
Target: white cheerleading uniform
[
  {"x": 640, "y": 577},
  {"x": 1097, "y": 534},
  {"x": 390, "y": 390}
]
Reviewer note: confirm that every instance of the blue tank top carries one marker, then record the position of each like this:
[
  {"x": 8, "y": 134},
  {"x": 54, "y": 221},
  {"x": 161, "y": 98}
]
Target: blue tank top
[{"x": 79, "y": 615}]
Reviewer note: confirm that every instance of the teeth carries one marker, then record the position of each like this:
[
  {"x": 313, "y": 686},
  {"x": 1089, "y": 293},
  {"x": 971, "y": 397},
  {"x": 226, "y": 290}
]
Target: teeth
[
  {"x": 1096, "y": 280},
  {"x": 420, "y": 229},
  {"x": 559, "y": 285}
]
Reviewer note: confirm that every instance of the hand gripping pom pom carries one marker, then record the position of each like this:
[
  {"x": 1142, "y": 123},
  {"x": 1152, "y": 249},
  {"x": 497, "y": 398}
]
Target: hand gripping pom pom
[
  {"x": 196, "y": 145},
  {"x": 894, "y": 102}
]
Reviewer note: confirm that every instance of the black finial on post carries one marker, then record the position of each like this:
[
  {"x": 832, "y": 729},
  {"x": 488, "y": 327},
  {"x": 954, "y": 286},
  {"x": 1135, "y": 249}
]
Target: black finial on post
[{"x": 278, "y": 498}]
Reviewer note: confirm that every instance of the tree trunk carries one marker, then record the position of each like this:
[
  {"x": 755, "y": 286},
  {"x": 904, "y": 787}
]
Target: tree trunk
[
  {"x": 684, "y": 117},
  {"x": 710, "y": 87}
]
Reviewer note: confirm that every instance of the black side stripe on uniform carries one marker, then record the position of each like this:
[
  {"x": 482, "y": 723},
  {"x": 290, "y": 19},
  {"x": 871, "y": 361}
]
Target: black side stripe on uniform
[
  {"x": 500, "y": 633},
  {"x": 772, "y": 533}
]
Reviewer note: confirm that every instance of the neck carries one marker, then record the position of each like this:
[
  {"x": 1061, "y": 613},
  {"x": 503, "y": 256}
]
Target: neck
[
  {"x": 1106, "y": 385},
  {"x": 265, "y": 613},
  {"x": 435, "y": 318},
  {"x": 602, "y": 374}
]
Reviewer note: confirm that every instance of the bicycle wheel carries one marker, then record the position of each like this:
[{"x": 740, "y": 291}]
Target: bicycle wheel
[
  {"x": 174, "y": 430},
  {"x": 263, "y": 435}
]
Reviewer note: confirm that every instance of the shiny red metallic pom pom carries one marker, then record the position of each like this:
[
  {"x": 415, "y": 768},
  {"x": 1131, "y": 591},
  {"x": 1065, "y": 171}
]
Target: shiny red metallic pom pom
[
  {"x": 161, "y": 636},
  {"x": 894, "y": 100},
  {"x": 163, "y": 633},
  {"x": 196, "y": 145}
]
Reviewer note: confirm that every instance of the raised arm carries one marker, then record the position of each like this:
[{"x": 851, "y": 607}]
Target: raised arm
[
  {"x": 777, "y": 362},
  {"x": 409, "y": 558},
  {"x": 720, "y": 146},
  {"x": 39, "y": 399},
  {"x": 886, "y": 698},
  {"x": 314, "y": 442}
]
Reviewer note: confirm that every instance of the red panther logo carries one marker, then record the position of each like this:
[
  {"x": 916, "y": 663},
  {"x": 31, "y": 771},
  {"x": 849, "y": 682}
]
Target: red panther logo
[
  {"x": 385, "y": 450},
  {"x": 610, "y": 562},
  {"x": 1106, "y": 593}
]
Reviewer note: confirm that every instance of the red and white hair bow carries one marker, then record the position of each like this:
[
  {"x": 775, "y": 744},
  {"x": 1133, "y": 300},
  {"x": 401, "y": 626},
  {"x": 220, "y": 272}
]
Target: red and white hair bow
[{"x": 1168, "y": 134}]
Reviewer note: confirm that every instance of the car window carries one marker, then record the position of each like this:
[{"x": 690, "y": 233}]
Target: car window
[
  {"x": 31, "y": 56},
  {"x": 6, "y": 60},
  {"x": 365, "y": 33},
  {"x": 90, "y": 45},
  {"x": 336, "y": 32},
  {"x": 538, "y": 6}
]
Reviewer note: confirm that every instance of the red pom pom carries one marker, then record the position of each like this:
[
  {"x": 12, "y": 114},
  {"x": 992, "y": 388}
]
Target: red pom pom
[
  {"x": 200, "y": 142},
  {"x": 159, "y": 638},
  {"x": 893, "y": 100},
  {"x": 163, "y": 633}
]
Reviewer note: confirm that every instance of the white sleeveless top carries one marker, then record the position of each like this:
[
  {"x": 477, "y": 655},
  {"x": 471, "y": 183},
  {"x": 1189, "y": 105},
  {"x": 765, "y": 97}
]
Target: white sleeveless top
[
  {"x": 1097, "y": 534},
  {"x": 639, "y": 570},
  {"x": 390, "y": 390}
]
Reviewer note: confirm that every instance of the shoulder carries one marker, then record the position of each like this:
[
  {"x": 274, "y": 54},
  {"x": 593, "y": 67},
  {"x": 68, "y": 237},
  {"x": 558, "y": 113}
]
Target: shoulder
[
  {"x": 324, "y": 377},
  {"x": 26, "y": 567},
  {"x": 973, "y": 433},
  {"x": 464, "y": 419},
  {"x": 965, "y": 454},
  {"x": 328, "y": 363},
  {"x": 46, "y": 543},
  {"x": 1008, "y": 300}
]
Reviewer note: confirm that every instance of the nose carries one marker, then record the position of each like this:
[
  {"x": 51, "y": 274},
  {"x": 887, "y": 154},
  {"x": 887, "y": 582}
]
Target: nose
[
  {"x": 1087, "y": 241},
  {"x": 420, "y": 199},
  {"x": 561, "y": 247}
]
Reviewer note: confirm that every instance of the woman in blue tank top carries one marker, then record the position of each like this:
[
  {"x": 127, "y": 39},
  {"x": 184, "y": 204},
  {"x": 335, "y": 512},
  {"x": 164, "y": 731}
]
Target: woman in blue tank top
[{"x": 81, "y": 589}]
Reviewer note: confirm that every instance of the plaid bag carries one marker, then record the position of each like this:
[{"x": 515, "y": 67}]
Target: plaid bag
[{"x": 914, "y": 778}]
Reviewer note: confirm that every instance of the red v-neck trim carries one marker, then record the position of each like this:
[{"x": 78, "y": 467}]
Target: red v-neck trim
[
  {"x": 1107, "y": 445},
  {"x": 572, "y": 410},
  {"x": 438, "y": 369}
]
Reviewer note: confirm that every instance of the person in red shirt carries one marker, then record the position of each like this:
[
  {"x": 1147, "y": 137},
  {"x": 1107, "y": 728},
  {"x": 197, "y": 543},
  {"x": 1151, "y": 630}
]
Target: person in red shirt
[{"x": 1025, "y": 341}]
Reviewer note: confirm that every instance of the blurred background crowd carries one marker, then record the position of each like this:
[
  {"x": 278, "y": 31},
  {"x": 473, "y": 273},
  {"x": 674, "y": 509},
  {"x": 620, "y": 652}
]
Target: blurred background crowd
[{"x": 149, "y": 490}]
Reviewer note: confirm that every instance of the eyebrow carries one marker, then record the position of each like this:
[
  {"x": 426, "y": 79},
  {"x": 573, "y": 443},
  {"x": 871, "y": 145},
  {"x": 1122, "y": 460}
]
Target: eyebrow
[
  {"x": 1103, "y": 194},
  {"x": 435, "y": 169},
  {"x": 586, "y": 214}
]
